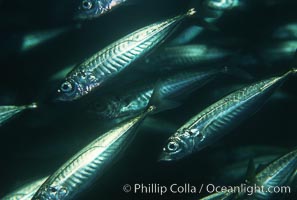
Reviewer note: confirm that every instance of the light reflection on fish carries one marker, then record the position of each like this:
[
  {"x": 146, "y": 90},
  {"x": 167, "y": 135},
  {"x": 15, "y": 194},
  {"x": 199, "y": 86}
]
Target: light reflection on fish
[
  {"x": 218, "y": 119},
  {"x": 276, "y": 174},
  {"x": 210, "y": 10},
  {"x": 25, "y": 192},
  {"x": 88, "y": 9},
  {"x": 286, "y": 32},
  {"x": 186, "y": 56},
  {"x": 187, "y": 35},
  {"x": 89, "y": 163},
  {"x": 112, "y": 60},
  {"x": 8, "y": 112},
  {"x": 174, "y": 87},
  {"x": 221, "y": 4},
  {"x": 34, "y": 39},
  {"x": 283, "y": 50}
]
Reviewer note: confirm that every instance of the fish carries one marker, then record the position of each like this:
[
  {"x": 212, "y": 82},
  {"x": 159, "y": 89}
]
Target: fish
[
  {"x": 276, "y": 174},
  {"x": 112, "y": 60},
  {"x": 174, "y": 88},
  {"x": 286, "y": 32},
  {"x": 278, "y": 52},
  {"x": 186, "y": 56},
  {"x": 221, "y": 5},
  {"x": 27, "y": 41},
  {"x": 212, "y": 10},
  {"x": 33, "y": 39},
  {"x": 89, "y": 9},
  {"x": 91, "y": 162},
  {"x": 215, "y": 121},
  {"x": 25, "y": 192},
  {"x": 186, "y": 36},
  {"x": 9, "y": 111}
]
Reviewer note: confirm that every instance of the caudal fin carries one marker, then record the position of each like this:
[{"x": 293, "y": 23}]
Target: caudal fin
[
  {"x": 251, "y": 172},
  {"x": 158, "y": 102},
  {"x": 32, "y": 106},
  {"x": 191, "y": 12}
]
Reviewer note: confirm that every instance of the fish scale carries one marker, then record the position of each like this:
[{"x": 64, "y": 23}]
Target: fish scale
[
  {"x": 288, "y": 161},
  {"x": 187, "y": 55},
  {"x": 276, "y": 174},
  {"x": 216, "y": 120},
  {"x": 239, "y": 97},
  {"x": 90, "y": 162},
  {"x": 113, "y": 59},
  {"x": 174, "y": 87}
]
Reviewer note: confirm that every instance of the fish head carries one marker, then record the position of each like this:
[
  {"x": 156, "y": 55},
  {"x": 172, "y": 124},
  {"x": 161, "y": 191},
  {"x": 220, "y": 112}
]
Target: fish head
[
  {"x": 50, "y": 192},
  {"x": 88, "y": 9},
  {"x": 177, "y": 146},
  {"x": 69, "y": 90}
]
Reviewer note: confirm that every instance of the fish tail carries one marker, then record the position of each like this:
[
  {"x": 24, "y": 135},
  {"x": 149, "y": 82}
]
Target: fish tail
[
  {"x": 155, "y": 99},
  {"x": 290, "y": 72},
  {"x": 191, "y": 12},
  {"x": 158, "y": 102},
  {"x": 32, "y": 105}
]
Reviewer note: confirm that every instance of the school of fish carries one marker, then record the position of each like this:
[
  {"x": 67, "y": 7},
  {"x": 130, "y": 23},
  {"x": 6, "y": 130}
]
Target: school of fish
[{"x": 152, "y": 71}]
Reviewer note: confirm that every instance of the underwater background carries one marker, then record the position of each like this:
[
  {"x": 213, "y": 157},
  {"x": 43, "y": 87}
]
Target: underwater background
[{"x": 37, "y": 142}]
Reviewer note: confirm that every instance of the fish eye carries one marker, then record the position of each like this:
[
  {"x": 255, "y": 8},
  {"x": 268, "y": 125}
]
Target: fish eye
[
  {"x": 87, "y": 4},
  {"x": 172, "y": 146},
  {"x": 52, "y": 189},
  {"x": 66, "y": 87}
]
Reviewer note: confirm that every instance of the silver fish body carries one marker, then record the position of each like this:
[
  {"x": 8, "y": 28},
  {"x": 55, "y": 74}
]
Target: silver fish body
[
  {"x": 113, "y": 59},
  {"x": 218, "y": 119},
  {"x": 187, "y": 55},
  {"x": 173, "y": 87},
  {"x": 212, "y": 10},
  {"x": 8, "y": 112},
  {"x": 125, "y": 105},
  {"x": 187, "y": 35},
  {"x": 26, "y": 192},
  {"x": 221, "y": 5},
  {"x": 276, "y": 174},
  {"x": 35, "y": 39},
  {"x": 88, "y": 9},
  {"x": 89, "y": 163},
  {"x": 286, "y": 32},
  {"x": 279, "y": 51}
]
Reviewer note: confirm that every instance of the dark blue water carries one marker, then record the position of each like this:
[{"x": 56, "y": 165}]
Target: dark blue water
[{"x": 37, "y": 142}]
